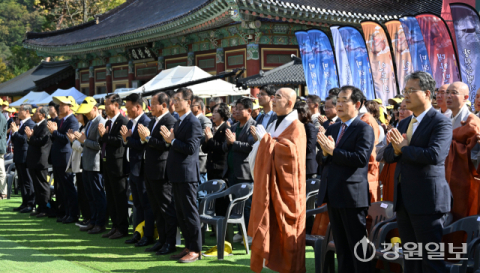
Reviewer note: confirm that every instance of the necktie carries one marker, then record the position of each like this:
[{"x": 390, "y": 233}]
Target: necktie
[
  {"x": 410, "y": 129},
  {"x": 88, "y": 127},
  {"x": 104, "y": 146},
  {"x": 61, "y": 123},
  {"x": 176, "y": 126},
  {"x": 344, "y": 128}
]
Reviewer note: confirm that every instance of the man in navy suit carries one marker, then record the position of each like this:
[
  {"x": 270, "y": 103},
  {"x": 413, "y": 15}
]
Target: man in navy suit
[
  {"x": 135, "y": 151},
  {"x": 265, "y": 99},
  {"x": 346, "y": 149},
  {"x": 183, "y": 171},
  {"x": 20, "y": 146},
  {"x": 65, "y": 191},
  {"x": 420, "y": 146}
]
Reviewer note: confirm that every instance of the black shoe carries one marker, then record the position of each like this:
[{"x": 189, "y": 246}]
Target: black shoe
[
  {"x": 70, "y": 220},
  {"x": 18, "y": 209},
  {"x": 166, "y": 249},
  {"x": 84, "y": 223},
  {"x": 26, "y": 210},
  {"x": 156, "y": 247},
  {"x": 136, "y": 237},
  {"x": 145, "y": 241},
  {"x": 61, "y": 219},
  {"x": 41, "y": 215}
]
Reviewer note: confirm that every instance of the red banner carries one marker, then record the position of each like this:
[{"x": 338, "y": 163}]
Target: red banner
[{"x": 401, "y": 52}]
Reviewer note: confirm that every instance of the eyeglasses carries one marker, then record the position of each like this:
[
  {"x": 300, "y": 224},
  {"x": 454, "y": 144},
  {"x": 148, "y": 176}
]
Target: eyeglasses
[
  {"x": 408, "y": 92},
  {"x": 177, "y": 100}
]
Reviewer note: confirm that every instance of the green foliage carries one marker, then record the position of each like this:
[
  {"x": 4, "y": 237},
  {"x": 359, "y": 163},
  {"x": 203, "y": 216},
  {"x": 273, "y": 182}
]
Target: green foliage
[{"x": 5, "y": 74}]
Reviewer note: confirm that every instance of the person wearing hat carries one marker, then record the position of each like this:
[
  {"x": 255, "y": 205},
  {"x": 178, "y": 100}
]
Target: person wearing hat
[
  {"x": 5, "y": 111},
  {"x": 135, "y": 152},
  {"x": 39, "y": 144},
  {"x": 20, "y": 146},
  {"x": 112, "y": 154},
  {"x": 67, "y": 200},
  {"x": 92, "y": 177},
  {"x": 256, "y": 109}
]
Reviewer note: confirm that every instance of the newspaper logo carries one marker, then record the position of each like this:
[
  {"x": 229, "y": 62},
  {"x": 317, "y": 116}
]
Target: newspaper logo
[{"x": 365, "y": 244}]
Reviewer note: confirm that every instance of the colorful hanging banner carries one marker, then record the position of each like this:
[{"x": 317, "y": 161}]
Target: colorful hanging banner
[
  {"x": 418, "y": 51},
  {"x": 467, "y": 32},
  {"x": 401, "y": 51},
  {"x": 380, "y": 61},
  {"x": 344, "y": 71},
  {"x": 358, "y": 59},
  {"x": 440, "y": 49},
  {"x": 327, "y": 77},
  {"x": 308, "y": 62}
]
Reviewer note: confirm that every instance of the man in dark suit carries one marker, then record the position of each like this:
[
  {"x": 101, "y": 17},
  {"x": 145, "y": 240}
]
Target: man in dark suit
[
  {"x": 39, "y": 144},
  {"x": 346, "y": 149},
  {"x": 198, "y": 108},
  {"x": 67, "y": 199},
  {"x": 20, "y": 146},
  {"x": 135, "y": 151},
  {"x": 112, "y": 165},
  {"x": 159, "y": 189},
  {"x": 420, "y": 146},
  {"x": 265, "y": 99},
  {"x": 330, "y": 112},
  {"x": 183, "y": 171}
]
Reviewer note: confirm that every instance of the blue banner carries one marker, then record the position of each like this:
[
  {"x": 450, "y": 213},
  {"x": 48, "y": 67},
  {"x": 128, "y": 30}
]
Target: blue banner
[
  {"x": 327, "y": 77},
  {"x": 308, "y": 62},
  {"x": 357, "y": 56},
  {"x": 344, "y": 71},
  {"x": 416, "y": 44}
]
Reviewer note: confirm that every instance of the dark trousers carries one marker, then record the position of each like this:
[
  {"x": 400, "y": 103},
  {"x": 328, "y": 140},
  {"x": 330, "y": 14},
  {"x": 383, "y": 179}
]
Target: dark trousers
[
  {"x": 348, "y": 228},
  {"x": 42, "y": 188},
  {"x": 26, "y": 185},
  {"x": 143, "y": 209},
  {"x": 117, "y": 202},
  {"x": 185, "y": 195},
  {"x": 93, "y": 183},
  {"x": 420, "y": 228},
  {"x": 82, "y": 197},
  {"x": 67, "y": 188},
  {"x": 160, "y": 196},
  {"x": 59, "y": 208}
]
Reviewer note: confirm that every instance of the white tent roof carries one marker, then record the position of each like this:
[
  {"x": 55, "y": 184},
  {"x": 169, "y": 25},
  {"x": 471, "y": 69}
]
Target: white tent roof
[
  {"x": 77, "y": 95},
  {"x": 118, "y": 90},
  {"x": 183, "y": 74},
  {"x": 30, "y": 98}
]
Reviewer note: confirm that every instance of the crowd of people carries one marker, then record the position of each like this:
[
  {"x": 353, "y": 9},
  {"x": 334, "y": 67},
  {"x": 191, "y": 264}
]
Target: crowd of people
[{"x": 100, "y": 152}]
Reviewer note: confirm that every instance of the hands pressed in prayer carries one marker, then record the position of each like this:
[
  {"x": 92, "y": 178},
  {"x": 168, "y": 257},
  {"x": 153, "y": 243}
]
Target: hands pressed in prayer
[
  {"x": 167, "y": 135},
  {"x": 208, "y": 133},
  {"x": 398, "y": 140},
  {"x": 326, "y": 143},
  {"x": 230, "y": 137}
]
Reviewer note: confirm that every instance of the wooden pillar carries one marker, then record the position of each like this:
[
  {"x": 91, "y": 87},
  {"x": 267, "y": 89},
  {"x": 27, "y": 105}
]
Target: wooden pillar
[
  {"x": 91, "y": 83},
  {"x": 77, "y": 80},
  {"x": 131, "y": 73},
  {"x": 253, "y": 64},
  {"x": 108, "y": 79},
  {"x": 160, "y": 64},
  {"x": 220, "y": 60}
]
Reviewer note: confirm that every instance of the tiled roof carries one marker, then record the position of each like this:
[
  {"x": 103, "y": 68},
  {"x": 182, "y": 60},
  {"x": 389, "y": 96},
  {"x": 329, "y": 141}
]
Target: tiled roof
[
  {"x": 27, "y": 81},
  {"x": 289, "y": 73}
]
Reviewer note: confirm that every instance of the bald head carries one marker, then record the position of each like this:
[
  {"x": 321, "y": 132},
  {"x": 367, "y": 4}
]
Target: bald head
[
  {"x": 284, "y": 101},
  {"x": 456, "y": 96}
]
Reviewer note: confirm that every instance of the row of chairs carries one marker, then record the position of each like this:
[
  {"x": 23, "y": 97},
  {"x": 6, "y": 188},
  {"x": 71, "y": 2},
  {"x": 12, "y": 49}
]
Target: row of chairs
[{"x": 383, "y": 221}]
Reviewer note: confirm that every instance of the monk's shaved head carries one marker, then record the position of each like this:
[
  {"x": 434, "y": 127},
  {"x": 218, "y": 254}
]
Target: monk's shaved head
[
  {"x": 460, "y": 87},
  {"x": 456, "y": 96},
  {"x": 284, "y": 101}
]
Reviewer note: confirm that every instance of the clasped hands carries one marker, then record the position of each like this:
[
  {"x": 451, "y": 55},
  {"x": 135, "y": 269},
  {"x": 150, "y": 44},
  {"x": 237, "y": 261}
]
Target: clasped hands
[
  {"x": 397, "y": 140},
  {"x": 52, "y": 126},
  {"x": 326, "y": 143},
  {"x": 125, "y": 132},
  {"x": 143, "y": 132}
]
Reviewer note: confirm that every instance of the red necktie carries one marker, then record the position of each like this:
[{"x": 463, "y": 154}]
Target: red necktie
[
  {"x": 344, "y": 128},
  {"x": 61, "y": 123}
]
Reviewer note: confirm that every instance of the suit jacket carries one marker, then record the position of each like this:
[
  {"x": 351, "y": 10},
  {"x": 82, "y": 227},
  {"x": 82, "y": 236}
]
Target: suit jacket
[
  {"x": 421, "y": 165},
  {"x": 3, "y": 135},
  {"x": 91, "y": 145},
  {"x": 214, "y": 148},
  {"x": 205, "y": 122},
  {"x": 156, "y": 149},
  {"x": 273, "y": 118},
  {"x": 311, "y": 163},
  {"x": 182, "y": 162},
  {"x": 61, "y": 148},
  {"x": 20, "y": 144},
  {"x": 326, "y": 124},
  {"x": 344, "y": 176},
  {"x": 241, "y": 148},
  {"x": 39, "y": 146},
  {"x": 115, "y": 149},
  {"x": 135, "y": 146}
]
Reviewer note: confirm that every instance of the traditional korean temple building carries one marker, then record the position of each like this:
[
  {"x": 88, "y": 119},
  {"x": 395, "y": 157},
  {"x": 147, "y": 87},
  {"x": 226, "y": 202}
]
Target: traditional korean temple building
[{"x": 130, "y": 44}]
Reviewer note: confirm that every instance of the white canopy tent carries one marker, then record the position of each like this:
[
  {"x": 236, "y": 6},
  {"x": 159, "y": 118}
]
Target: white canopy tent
[
  {"x": 30, "y": 98},
  {"x": 77, "y": 95},
  {"x": 183, "y": 74},
  {"x": 118, "y": 90}
]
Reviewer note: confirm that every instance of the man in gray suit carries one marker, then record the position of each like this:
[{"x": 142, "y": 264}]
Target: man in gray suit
[
  {"x": 3, "y": 149},
  {"x": 237, "y": 147},
  {"x": 198, "y": 108},
  {"x": 92, "y": 177}
]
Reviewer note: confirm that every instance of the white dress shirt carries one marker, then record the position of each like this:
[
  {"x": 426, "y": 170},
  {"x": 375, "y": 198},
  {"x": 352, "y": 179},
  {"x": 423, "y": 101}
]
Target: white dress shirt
[{"x": 419, "y": 119}]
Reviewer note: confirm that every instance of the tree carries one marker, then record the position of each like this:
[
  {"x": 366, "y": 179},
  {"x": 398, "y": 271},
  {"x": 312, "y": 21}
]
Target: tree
[{"x": 5, "y": 73}]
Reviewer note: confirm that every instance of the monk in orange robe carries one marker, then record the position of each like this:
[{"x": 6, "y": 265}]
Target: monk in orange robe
[{"x": 277, "y": 220}]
